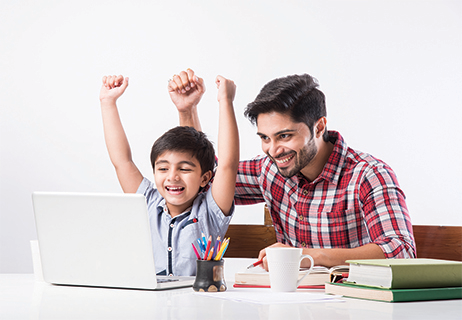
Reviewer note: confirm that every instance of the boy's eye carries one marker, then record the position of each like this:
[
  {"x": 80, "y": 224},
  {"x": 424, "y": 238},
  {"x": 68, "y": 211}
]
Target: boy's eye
[
  {"x": 284, "y": 136},
  {"x": 162, "y": 169},
  {"x": 185, "y": 169}
]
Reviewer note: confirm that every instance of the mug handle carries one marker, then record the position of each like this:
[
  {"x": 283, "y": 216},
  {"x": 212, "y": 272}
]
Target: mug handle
[{"x": 309, "y": 270}]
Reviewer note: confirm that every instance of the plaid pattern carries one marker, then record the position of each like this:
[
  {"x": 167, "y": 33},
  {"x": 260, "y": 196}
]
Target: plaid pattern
[{"x": 354, "y": 201}]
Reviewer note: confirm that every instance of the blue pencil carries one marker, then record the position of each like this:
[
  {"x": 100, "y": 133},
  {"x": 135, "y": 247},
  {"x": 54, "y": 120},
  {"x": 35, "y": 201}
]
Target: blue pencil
[
  {"x": 201, "y": 247},
  {"x": 215, "y": 250}
]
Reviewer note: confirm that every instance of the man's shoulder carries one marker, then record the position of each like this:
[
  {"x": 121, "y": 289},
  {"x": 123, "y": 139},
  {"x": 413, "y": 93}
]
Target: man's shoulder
[
  {"x": 357, "y": 162},
  {"x": 257, "y": 165}
]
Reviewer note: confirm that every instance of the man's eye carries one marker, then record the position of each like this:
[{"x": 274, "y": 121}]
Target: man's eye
[{"x": 284, "y": 136}]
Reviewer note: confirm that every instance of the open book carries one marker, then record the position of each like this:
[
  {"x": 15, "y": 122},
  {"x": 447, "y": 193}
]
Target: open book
[{"x": 258, "y": 277}]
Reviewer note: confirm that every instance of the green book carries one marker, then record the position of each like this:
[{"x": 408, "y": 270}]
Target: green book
[
  {"x": 406, "y": 273},
  {"x": 392, "y": 295}
]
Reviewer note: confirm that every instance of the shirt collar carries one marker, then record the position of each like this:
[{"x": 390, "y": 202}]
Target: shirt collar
[
  {"x": 334, "y": 165},
  {"x": 163, "y": 209}
]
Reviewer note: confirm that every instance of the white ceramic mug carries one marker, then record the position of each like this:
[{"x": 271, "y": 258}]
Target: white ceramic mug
[{"x": 284, "y": 267}]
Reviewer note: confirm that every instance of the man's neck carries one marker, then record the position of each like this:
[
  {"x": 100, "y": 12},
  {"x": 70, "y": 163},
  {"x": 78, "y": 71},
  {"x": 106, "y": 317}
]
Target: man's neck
[{"x": 314, "y": 169}]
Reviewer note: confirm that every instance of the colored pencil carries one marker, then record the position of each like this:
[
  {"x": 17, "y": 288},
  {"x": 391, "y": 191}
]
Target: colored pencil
[
  {"x": 209, "y": 243},
  {"x": 195, "y": 251}
]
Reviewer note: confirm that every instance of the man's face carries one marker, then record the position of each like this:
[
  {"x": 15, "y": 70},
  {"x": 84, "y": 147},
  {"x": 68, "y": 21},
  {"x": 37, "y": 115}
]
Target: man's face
[{"x": 289, "y": 144}]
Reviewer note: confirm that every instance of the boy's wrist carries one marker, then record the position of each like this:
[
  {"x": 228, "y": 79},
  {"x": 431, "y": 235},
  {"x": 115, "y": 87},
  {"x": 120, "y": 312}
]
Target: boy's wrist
[
  {"x": 226, "y": 100},
  {"x": 105, "y": 102}
]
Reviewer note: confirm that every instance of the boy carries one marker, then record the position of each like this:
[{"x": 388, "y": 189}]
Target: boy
[{"x": 182, "y": 160}]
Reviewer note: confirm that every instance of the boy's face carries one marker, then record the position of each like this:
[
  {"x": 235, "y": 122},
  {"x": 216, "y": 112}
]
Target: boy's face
[{"x": 178, "y": 177}]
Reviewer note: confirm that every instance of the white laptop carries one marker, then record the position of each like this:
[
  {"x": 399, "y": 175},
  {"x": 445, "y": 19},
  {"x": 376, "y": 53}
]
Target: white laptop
[{"x": 101, "y": 240}]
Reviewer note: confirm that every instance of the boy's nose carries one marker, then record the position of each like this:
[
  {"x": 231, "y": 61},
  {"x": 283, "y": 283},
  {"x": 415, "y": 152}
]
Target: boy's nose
[{"x": 173, "y": 176}]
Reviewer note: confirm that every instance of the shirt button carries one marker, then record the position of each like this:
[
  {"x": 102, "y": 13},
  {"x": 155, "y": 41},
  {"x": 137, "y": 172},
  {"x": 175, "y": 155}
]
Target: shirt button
[
  {"x": 305, "y": 192},
  {"x": 170, "y": 275},
  {"x": 303, "y": 244},
  {"x": 172, "y": 225},
  {"x": 300, "y": 217},
  {"x": 170, "y": 249}
]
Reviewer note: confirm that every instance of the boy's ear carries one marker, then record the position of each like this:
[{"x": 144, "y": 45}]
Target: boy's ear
[{"x": 206, "y": 178}]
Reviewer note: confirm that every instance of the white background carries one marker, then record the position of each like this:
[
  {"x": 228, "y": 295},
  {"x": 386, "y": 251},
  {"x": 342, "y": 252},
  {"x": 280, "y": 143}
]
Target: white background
[{"x": 391, "y": 72}]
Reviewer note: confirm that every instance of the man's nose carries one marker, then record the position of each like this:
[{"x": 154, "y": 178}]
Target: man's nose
[{"x": 274, "y": 149}]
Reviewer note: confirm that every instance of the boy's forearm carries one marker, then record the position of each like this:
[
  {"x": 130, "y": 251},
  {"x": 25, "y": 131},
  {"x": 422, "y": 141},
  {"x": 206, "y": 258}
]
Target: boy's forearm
[
  {"x": 228, "y": 136},
  {"x": 228, "y": 158},
  {"x": 114, "y": 134}
]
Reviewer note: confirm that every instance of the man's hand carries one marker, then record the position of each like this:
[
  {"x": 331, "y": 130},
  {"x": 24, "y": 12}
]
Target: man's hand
[
  {"x": 186, "y": 90},
  {"x": 113, "y": 87},
  {"x": 262, "y": 255}
]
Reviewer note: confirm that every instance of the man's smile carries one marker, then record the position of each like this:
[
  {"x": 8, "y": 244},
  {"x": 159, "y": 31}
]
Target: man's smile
[{"x": 283, "y": 159}]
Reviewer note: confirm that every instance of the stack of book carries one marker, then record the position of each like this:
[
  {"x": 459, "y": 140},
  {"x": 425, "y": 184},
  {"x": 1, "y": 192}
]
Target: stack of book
[
  {"x": 399, "y": 280},
  {"x": 259, "y": 278}
]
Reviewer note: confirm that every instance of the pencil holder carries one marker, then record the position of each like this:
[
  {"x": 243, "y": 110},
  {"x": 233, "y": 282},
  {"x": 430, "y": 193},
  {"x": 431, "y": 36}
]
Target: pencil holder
[{"x": 210, "y": 276}]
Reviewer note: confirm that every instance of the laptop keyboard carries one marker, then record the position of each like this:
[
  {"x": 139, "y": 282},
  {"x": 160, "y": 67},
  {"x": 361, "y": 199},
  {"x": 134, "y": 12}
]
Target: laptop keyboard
[{"x": 164, "y": 280}]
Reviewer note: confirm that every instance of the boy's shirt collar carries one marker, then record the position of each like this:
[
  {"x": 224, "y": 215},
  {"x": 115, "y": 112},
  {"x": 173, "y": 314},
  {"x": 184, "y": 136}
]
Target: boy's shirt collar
[{"x": 163, "y": 209}]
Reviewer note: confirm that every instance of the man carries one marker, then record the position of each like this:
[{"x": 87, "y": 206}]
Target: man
[{"x": 334, "y": 202}]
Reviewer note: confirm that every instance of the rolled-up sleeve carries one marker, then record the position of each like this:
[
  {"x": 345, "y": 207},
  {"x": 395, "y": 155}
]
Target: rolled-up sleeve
[
  {"x": 386, "y": 214},
  {"x": 248, "y": 189}
]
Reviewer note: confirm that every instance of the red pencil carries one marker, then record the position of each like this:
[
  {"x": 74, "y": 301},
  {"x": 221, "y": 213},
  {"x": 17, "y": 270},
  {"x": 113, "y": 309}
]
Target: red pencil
[
  {"x": 253, "y": 265},
  {"x": 209, "y": 242},
  {"x": 195, "y": 251}
]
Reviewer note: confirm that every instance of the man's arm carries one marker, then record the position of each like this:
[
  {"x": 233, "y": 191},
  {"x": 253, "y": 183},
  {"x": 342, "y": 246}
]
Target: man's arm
[
  {"x": 386, "y": 217},
  {"x": 228, "y": 147},
  {"x": 116, "y": 141},
  {"x": 186, "y": 90},
  {"x": 332, "y": 256}
]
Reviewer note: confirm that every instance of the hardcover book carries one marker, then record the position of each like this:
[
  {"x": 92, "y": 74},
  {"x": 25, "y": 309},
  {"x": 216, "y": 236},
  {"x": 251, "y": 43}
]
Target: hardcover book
[
  {"x": 393, "y": 295},
  {"x": 406, "y": 273}
]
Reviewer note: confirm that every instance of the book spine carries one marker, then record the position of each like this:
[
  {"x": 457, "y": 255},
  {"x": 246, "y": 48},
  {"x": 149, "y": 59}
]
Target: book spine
[{"x": 422, "y": 276}]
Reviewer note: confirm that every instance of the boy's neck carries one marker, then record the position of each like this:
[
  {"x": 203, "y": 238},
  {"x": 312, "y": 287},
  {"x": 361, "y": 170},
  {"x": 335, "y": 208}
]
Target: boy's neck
[{"x": 176, "y": 211}]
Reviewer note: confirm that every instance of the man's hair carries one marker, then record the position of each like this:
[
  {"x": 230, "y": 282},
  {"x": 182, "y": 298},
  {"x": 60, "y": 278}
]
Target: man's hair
[
  {"x": 185, "y": 139},
  {"x": 295, "y": 96}
]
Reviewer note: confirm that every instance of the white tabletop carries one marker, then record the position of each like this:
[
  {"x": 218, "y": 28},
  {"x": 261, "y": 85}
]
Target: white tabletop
[{"x": 23, "y": 297}]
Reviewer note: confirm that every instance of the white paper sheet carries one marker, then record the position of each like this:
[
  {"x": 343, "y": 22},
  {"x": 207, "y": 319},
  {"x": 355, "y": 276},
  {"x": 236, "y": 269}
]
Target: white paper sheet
[{"x": 266, "y": 296}]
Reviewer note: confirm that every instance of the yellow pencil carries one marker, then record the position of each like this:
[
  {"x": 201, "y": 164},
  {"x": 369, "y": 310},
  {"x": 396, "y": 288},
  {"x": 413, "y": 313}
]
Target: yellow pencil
[{"x": 222, "y": 248}]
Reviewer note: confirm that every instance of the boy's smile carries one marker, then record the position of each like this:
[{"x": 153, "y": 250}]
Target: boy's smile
[{"x": 178, "y": 177}]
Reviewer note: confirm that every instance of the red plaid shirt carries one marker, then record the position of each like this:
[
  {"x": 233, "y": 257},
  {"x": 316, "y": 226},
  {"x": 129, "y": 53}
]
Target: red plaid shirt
[{"x": 354, "y": 201}]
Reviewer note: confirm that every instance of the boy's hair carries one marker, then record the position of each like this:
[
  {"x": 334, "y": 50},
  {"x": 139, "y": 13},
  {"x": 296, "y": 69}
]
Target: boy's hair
[
  {"x": 295, "y": 96},
  {"x": 189, "y": 140}
]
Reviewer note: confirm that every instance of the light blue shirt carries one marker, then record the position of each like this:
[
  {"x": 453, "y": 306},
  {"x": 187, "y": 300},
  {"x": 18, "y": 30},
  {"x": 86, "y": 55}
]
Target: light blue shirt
[{"x": 172, "y": 237}]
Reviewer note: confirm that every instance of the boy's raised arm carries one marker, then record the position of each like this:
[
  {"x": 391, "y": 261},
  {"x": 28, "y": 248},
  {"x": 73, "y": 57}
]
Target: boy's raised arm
[
  {"x": 228, "y": 147},
  {"x": 116, "y": 141}
]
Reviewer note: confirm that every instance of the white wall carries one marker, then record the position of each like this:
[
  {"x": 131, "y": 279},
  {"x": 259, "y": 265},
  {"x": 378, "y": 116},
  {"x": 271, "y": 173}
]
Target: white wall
[{"x": 391, "y": 71}]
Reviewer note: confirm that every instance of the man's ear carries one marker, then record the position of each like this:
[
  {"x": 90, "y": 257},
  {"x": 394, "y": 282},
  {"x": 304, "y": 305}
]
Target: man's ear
[
  {"x": 320, "y": 127},
  {"x": 206, "y": 178}
]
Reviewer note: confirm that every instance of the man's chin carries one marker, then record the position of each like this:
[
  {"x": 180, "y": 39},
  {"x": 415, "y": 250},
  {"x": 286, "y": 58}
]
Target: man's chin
[{"x": 286, "y": 172}]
